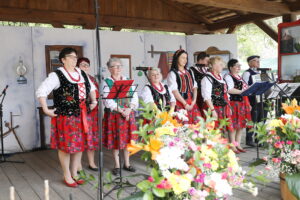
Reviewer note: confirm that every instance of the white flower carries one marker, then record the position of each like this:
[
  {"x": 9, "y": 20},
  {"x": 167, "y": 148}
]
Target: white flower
[
  {"x": 181, "y": 114},
  {"x": 255, "y": 191},
  {"x": 170, "y": 158},
  {"x": 221, "y": 186}
]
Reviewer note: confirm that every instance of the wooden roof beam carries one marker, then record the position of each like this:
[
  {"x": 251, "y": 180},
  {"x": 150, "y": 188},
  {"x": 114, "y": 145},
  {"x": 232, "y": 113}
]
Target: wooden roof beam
[
  {"x": 237, "y": 21},
  {"x": 254, "y": 6},
  {"x": 267, "y": 29},
  {"x": 87, "y": 20},
  {"x": 231, "y": 29},
  {"x": 187, "y": 11}
]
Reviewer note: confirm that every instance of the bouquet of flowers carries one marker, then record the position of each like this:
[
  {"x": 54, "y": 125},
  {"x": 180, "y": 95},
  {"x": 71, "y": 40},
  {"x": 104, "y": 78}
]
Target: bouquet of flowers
[
  {"x": 282, "y": 135},
  {"x": 186, "y": 161}
]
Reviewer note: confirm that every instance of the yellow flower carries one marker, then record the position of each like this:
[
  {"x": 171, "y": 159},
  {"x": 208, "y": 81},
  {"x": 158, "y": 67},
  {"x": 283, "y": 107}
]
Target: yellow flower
[
  {"x": 275, "y": 123},
  {"x": 153, "y": 147},
  {"x": 180, "y": 183},
  {"x": 232, "y": 161},
  {"x": 290, "y": 109},
  {"x": 133, "y": 148},
  {"x": 164, "y": 131},
  {"x": 166, "y": 117},
  {"x": 214, "y": 165}
]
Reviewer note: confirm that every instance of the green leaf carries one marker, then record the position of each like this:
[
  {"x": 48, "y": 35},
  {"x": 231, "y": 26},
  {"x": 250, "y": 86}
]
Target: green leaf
[
  {"x": 193, "y": 171},
  {"x": 119, "y": 193},
  {"x": 154, "y": 174},
  {"x": 148, "y": 196},
  {"x": 137, "y": 196},
  {"x": 293, "y": 182},
  {"x": 108, "y": 177},
  {"x": 159, "y": 192},
  {"x": 144, "y": 185}
]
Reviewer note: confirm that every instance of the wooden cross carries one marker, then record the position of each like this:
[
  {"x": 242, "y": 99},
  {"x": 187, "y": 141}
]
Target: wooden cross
[{"x": 158, "y": 52}]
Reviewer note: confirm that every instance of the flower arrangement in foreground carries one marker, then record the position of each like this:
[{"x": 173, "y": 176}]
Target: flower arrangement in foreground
[
  {"x": 186, "y": 161},
  {"x": 282, "y": 134}
]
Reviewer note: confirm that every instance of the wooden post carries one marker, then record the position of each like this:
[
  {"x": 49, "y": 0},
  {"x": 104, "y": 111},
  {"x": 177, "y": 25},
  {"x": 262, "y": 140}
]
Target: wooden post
[
  {"x": 12, "y": 193},
  {"x": 47, "y": 190}
]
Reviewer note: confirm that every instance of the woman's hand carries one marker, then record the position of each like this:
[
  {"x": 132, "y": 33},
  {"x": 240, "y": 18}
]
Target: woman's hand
[
  {"x": 188, "y": 107},
  {"x": 93, "y": 105},
  {"x": 214, "y": 114},
  {"x": 50, "y": 112}
]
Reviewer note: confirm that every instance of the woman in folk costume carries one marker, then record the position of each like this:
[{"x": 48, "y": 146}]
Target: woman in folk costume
[
  {"x": 156, "y": 92},
  {"x": 184, "y": 87},
  {"x": 240, "y": 104},
  {"x": 119, "y": 120},
  {"x": 199, "y": 70},
  {"x": 92, "y": 139},
  {"x": 71, "y": 87},
  {"x": 214, "y": 92}
]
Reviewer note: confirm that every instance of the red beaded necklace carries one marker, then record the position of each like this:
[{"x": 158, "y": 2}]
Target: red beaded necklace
[
  {"x": 161, "y": 87},
  {"x": 72, "y": 78},
  {"x": 218, "y": 78},
  {"x": 237, "y": 77}
]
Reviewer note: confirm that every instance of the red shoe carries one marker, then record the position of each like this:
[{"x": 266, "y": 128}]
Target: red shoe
[
  {"x": 79, "y": 181},
  {"x": 74, "y": 185},
  {"x": 236, "y": 151},
  {"x": 241, "y": 150}
]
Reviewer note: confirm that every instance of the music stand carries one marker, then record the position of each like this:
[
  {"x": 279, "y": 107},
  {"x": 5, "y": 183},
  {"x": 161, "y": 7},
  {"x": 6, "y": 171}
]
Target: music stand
[
  {"x": 120, "y": 90},
  {"x": 2, "y": 157},
  {"x": 258, "y": 88}
]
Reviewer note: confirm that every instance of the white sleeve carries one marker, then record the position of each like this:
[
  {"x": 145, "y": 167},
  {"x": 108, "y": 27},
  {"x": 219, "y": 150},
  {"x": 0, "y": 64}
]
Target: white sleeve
[
  {"x": 228, "y": 79},
  {"x": 246, "y": 76},
  {"x": 93, "y": 87},
  {"x": 172, "y": 99},
  {"x": 171, "y": 80},
  {"x": 206, "y": 88},
  {"x": 146, "y": 95},
  {"x": 49, "y": 84},
  {"x": 108, "y": 103}
]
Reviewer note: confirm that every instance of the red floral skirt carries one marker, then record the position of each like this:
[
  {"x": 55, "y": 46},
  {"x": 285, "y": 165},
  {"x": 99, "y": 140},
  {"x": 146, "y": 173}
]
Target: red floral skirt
[
  {"x": 67, "y": 134},
  {"x": 115, "y": 124},
  {"x": 92, "y": 136},
  {"x": 224, "y": 112},
  {"x": 241, "y": 114},
  {"x": 193, "y": 115}
]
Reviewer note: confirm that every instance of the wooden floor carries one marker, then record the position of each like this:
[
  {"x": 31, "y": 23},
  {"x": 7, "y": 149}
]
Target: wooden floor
[{"x": 28, "y": 178}]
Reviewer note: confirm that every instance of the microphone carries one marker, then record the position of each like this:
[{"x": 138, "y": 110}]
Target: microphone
[
  {"x": 4, "y": 90},
  {"x": 143, "y": 68},
  {"x": 264, "y": 69}
]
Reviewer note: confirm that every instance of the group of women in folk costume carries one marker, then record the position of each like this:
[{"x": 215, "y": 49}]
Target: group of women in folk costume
[{"x": 74, "y": 119}]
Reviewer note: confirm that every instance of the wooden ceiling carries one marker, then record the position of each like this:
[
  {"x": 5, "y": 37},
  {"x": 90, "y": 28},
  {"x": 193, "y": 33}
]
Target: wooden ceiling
[{"x": 188, "y": 16}]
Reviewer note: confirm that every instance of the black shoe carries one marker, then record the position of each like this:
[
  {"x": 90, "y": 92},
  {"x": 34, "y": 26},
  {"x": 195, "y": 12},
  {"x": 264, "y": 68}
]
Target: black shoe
[
  {"x": 115, "y": 171},
  {"x": 130, "y": 168},
  {"x": 251, "y": 144},
  {"x": 93, "y": 169}
]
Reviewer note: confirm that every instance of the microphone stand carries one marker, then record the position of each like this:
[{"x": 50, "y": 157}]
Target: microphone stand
[{"x": 2, "y": 157}]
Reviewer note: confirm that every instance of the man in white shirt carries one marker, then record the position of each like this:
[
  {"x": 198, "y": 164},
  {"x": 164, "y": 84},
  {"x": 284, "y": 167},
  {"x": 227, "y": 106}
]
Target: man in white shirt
[{"x": 254, "y": 64}]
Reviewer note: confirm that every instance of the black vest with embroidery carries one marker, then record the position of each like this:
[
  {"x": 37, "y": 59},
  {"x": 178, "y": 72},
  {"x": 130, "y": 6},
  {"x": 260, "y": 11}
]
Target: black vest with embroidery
[
  {"x": 66, "y": 97},
  {"x": 238, "y": 84},
  {"x": 197, "y": 74},
  {"x": 250, "y": 82},
  {"x": 184, "y": 94},
  {"x": 252, "y": 99},
  {"x": 164, "y": 98},
  {"x": 217, "y": 94}
]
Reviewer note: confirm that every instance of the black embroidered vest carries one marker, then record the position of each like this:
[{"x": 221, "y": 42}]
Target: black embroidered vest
[
  {"x": 217, "y": 94},
  {"x": 189, "y": 82},
  {"x": 252, "y": 99},
  {"x": 238, "y": 84},
  {"x": 250, "y": 82},
  {"x": 66, "y": 97},
  {"x": 164, "y": 98}
]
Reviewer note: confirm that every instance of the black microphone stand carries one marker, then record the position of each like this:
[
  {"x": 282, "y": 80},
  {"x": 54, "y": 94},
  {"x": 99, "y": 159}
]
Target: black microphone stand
[{"x": 2, "y": 157}]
